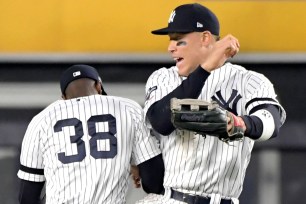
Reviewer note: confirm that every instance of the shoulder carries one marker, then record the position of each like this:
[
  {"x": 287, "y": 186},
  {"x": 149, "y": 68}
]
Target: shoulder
[
  {"x": 114, "y": 99},
  {"x": 235, "y": 67},
  {"x": 163, "y": 77},
  {"x": 164, "y": 72},
  {"x": 131, "y": 108},
  {"x": 247, "y": 74},
  {"x": 41, "y": 117},
  {"x": 124, "y": 101},
  {"x": 50, "y": 108}
]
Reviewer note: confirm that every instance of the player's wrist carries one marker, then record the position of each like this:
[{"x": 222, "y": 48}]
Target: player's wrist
[
  {"x": 236, "y": 122},
  {"x": 241, "y": 123}
]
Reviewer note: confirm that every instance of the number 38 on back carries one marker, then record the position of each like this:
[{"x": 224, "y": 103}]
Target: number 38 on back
[{"x": 93, "y": 142}]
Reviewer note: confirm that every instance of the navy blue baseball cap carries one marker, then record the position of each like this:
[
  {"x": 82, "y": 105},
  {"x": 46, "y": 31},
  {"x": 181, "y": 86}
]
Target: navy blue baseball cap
[
  {"x": 77, "y": 72},
  {"x": 189, "y": 18}
]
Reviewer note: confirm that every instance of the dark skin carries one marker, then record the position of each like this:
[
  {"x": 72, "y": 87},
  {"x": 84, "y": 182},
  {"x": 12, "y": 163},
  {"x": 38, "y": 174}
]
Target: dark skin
[
  {"x": 135, "y": 176},
  {"x": 82, "y": 87}
]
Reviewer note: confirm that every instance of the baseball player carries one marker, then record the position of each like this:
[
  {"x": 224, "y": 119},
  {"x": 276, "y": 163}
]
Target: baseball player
[
  {"x": 82, "y": 147},
  {"x": 201, "y": 169}
]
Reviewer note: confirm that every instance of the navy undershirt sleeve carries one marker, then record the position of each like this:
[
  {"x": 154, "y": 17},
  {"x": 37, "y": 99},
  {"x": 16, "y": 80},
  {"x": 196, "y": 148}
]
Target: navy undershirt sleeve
[
  {"x": 159, "y": 114},
  {"x": 254, "y": 125},
  {"x": 152, "y": 175},
  {"x": 30, "y": 192}
]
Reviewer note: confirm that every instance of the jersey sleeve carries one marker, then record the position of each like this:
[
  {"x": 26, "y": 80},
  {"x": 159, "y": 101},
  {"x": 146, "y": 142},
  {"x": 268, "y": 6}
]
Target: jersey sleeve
[
  {"x": 31, "y": 160},
  {"x": 159, "y": 84},
  {"x": 259, "y": 90},
  {"x": 145, "y": 146}
]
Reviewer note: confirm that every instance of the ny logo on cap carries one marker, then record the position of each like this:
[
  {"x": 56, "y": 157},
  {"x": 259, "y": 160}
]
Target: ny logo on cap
[
  {"x": 75, "y": 74},
  {"x": 171, "y": 18}
]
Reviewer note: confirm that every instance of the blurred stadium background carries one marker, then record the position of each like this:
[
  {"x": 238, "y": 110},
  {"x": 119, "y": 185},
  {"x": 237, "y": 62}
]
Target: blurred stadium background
[{"x": 39, "y": 39}]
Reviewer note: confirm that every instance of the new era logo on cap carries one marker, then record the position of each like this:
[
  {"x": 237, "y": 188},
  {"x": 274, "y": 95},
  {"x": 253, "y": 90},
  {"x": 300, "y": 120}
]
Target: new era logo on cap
[
  {"x": 199, "y": 25},
  {"x": 75, "y": 74},
  {"x": 171, "y": 18}
]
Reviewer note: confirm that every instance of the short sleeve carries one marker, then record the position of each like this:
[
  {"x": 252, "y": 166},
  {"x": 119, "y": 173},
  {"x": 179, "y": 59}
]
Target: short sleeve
[
  {"x": 31, "y": 161},
  {"x": 145, "y": 146},
  {"x": 259, "y": 90},
  {"x": 159, "y": 84}
]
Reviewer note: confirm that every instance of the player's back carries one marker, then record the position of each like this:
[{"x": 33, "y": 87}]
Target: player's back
[{"x": 86, "y": 147}]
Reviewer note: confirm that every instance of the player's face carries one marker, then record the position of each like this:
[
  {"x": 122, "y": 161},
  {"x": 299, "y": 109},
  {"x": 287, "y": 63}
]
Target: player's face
[{"x": 187, "y": 51}]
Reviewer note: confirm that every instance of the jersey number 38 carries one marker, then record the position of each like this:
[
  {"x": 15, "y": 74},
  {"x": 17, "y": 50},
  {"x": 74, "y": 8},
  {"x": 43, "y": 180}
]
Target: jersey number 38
[{"x": 93, "y": 142}]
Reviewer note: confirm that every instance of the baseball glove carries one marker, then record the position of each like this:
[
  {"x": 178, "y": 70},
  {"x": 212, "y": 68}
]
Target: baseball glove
[{"x": 204, "y": 118}]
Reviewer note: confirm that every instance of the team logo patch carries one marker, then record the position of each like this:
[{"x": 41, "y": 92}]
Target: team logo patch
[
  {"x": 151, "y": 89},
  {"x": 226, "y": 104}
]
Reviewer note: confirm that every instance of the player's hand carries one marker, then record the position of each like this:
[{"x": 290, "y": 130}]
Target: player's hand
[
  {"x": 234, "y": 122},
  {"x": 222, "y": 50},
  {"x": 135, "y": 176}
]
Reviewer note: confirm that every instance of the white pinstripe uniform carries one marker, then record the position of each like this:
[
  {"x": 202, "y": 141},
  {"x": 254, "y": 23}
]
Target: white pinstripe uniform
[
  {"x": 85, "y": 146},
  {"x": 208, "y": 166}
]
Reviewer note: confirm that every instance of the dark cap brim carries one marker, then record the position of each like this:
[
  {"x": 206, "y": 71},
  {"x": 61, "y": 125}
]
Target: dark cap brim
[{"x": 166, "y": 31}]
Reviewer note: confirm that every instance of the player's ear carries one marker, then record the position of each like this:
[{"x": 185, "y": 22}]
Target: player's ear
[
  {"x": 98, "y": 87},
  {"x": 206, "y": 38}
]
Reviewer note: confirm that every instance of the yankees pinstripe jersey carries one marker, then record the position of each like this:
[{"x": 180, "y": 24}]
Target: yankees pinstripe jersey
[
  {"x": 83, "y": 148},
  {"x": 205, "y": 165}
]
